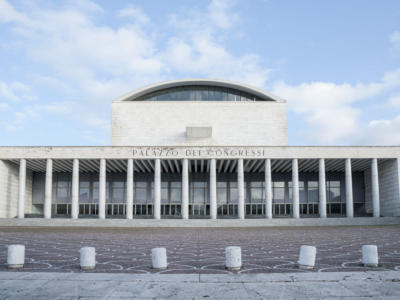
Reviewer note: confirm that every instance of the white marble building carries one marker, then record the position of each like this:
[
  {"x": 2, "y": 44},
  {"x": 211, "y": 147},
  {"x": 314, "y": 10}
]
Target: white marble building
[{"x": 199, "y": 149}]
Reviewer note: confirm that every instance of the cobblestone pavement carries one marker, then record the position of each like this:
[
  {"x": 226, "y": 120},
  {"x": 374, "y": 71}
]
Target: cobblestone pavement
[{"x": 264, "y": 250}]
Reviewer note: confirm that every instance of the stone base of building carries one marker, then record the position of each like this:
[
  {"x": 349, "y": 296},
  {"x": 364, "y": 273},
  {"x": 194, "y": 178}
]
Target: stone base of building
[{"x": 201, "y": 223}]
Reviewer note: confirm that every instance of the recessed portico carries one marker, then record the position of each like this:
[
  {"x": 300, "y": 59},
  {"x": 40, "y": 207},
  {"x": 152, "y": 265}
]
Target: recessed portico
[{"x": 214, "y": 188}]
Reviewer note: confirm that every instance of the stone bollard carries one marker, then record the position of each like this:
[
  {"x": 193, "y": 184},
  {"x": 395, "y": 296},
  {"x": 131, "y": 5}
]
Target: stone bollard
[
  {"x": 16, "y": 256},
  {"x": 370, "y": 256},
  {"x": 159, "y": 258},
  {"x": 88, "y": 258},
  {"x": 307, "y": 257},
  {"x": 233, "y": 258}
]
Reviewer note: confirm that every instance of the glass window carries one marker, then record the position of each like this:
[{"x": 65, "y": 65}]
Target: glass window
[
  {"x": 118, "y": 191},
  {"x": 211, "y": 95},
  {"x": 199, "y": 93},
  {"x": 204, "y": 95},
  {"x": 176, "y": 191},
  {"x": 164, "y": 192},
  {"x": 279, "y": 192},
  {"x": 199, "y": 192},
  {"x": 256, "y": 191},
  {"x": 313, "y": 191},
  {"x": 233, "y": 192},
  {"x": 192, "y": 95},
  {"x": 222, "y": 192},
  {"x": 333, "y": 191},
  {"x": 62, "y": 189},
  {"x": 186, "y": 95},
  {"x": 218, "y": 95},
  {"x": 84, "y": 191},
  {"x": 140, "y": 191}
]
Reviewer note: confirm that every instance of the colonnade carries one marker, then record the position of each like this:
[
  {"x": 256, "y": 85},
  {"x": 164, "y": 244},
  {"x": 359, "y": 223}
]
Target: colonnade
[{"x": 185, "y": 189}]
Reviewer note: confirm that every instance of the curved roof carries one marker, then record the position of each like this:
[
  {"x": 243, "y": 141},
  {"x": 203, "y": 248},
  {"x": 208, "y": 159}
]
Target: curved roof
[{"x": 139, "y": 93}]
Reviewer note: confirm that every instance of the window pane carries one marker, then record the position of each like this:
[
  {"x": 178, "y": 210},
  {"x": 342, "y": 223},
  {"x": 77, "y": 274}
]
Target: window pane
[
  {"x": 176, "y": 196},
  {"x": 118, "y": 195}
]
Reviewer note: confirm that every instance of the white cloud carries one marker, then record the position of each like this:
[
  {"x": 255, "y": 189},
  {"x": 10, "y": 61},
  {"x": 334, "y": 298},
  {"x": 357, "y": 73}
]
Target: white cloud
[
  {"x": 93, "y": 63},
  {"x": 221, "y": 14},
  {"x": 395, "y": 40},
  {"x": 9, "y": 14},
  {"x": 135, "y": 13},
  {"x": 394, "y": 101},
  {"x": 197, "y": 47},
  {"x": 3, "y": 105},
  {"x": 15, "y": 91},
  {"x": 97, "y": 62},
  {"x": 380, "y": 132},
  {"x": 329, "y": 109}
]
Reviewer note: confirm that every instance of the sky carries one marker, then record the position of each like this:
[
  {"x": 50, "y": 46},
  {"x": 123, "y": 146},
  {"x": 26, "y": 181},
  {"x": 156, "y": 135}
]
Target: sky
[{"x": 335, "y": 62}]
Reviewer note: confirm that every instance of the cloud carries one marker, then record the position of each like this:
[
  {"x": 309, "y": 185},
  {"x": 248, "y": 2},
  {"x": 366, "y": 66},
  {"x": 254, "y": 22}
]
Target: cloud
[
  {"x": 197, "y": 47},
  {"x": 134, "y": 13},
  {"x": 394, "y": 101},
  {"x": 383, "y": 132},
  {"x": 15, "y": 91},
  {"x": 395, "y": 41},
  {"x": 9, "y": 14},
  {"x": 329, "y": 109},
  {"x": 89, "y": 62},
  {"x": 3, "y": 105},
  {"x": 95, "y": 62}
]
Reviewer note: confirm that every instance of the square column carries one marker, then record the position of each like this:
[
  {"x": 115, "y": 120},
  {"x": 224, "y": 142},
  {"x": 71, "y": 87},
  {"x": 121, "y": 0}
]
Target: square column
[
  {"x": 102, "y": 189},
  {"x": 240, "y": 184},
  {"x": 48, "y": 189},
  {"x": 349, "y": 189},
  {"x": 157, "y": 189},
  {"x": 375, "y": 188},
  {"x": 213, "y": 188},
  {"x": 75, "y": 189},
  {"x": 268, "y": 189},
  {"x": 185, "y": 189},
  {"x": 322, "y": 189},
  {"x": 21, "y": 189},
  {"x": 295, "y": 187},
  {"x": 129, "y": 189}
]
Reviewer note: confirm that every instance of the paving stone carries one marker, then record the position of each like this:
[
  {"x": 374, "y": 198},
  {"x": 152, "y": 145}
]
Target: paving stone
[{"x": 202, "y": 250}]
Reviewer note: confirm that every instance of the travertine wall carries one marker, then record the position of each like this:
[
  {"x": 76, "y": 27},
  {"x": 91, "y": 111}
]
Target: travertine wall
[
  {"x": 389, "y": 188},
  {"x": 145, "y": 123},
  {"x": 9, "y": 179},
  {"x": 389, "y": 192}
]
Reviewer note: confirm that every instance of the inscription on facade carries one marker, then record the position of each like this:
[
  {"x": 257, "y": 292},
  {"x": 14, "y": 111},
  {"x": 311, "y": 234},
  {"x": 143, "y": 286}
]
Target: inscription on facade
[{"x": 197, "y": 152}]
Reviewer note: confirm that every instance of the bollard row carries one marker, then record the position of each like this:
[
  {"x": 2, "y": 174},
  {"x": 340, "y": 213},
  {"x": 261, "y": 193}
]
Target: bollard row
[{"x": 233, "y": 257}]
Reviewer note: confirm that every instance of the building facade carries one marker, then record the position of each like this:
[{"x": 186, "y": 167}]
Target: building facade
[{"x": 199, "y": 149}]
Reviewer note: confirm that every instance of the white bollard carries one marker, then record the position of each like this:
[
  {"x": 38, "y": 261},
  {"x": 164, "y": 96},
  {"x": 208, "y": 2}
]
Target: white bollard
[
  {"x": 370, "y": 255},
  {"x": 233, "y": 258},
  {"x": 159, "y": 258},
  {"x": 307, "y": 257},
  {"x": 88, "y": 258},
  {"x": 15, "y": 256}
]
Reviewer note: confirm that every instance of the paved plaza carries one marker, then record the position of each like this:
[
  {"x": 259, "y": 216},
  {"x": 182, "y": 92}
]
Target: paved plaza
[
  {"x": 327, "y": 285},
  {"x": 201, "y": 250}
]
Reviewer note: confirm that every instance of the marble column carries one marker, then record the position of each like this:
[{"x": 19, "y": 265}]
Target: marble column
[
  {"x": 48, "y": 189},
  {"x": 213, "y": 188},
  {"x": 21, "y": 189},
  {"x": 157, "y": 189},
  {"x": 322, "y": 189},
  {"x": 102, "y": 189},
  {"x": 185, "y": 189},
  {"x": 349, "y": 189},
  {"x": 129, "y": 189},
  {"x": 240, "y": 185},
  {"x": 295, "y": 188},
  {"x": 75, "y": 189},
  {"x": 268, "y": 189},
  {"x": 375, "y": 187}
]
